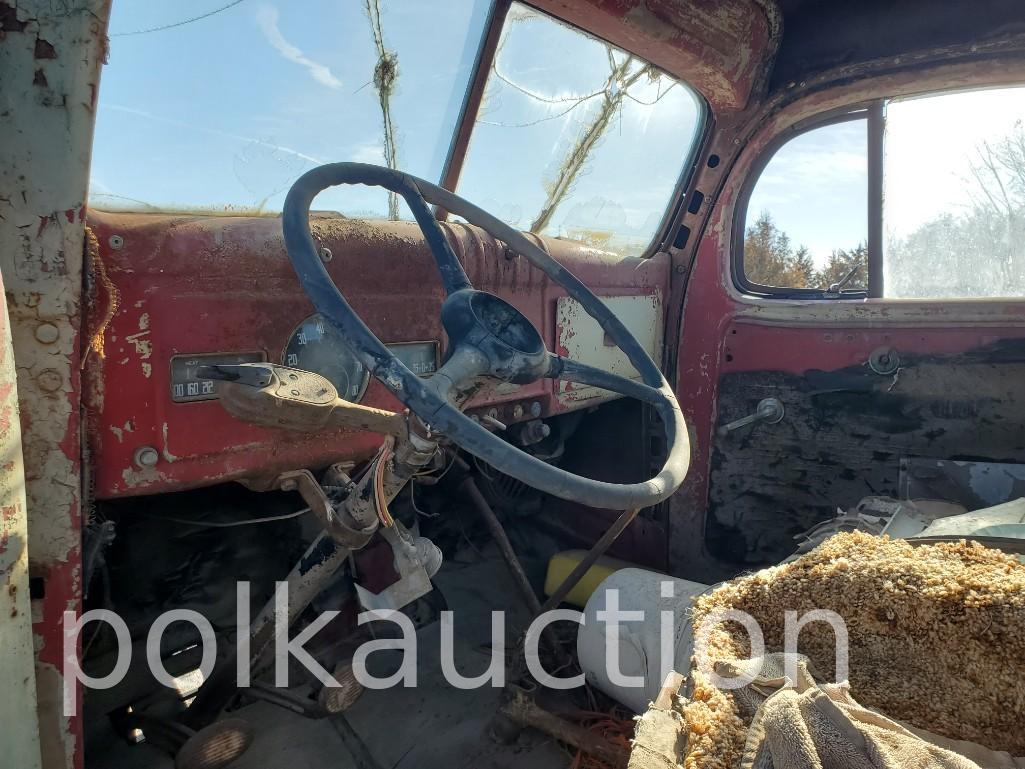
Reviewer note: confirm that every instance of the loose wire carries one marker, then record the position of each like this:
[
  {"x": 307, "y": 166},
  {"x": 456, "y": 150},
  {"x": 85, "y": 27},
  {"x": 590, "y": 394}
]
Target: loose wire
[
  {"x": 181, "y": 23},
  {"x": 231, "y": 524}
]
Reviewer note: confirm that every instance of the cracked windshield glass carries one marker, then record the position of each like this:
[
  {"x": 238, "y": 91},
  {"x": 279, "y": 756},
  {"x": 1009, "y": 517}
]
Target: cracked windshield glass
[{"x": 574, "y": 138}]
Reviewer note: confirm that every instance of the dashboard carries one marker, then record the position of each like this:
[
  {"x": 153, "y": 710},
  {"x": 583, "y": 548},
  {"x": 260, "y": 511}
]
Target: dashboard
[{"x": 170, "y": 293}]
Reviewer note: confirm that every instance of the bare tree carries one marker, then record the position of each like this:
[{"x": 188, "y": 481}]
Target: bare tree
[
  {"x": 616, "y": 87},
  {"x": 981, "y": 251},
  {"x": 624, "y": 72}
]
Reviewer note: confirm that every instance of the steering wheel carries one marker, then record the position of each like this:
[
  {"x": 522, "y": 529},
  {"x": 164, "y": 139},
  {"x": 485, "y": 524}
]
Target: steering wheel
[{"x": 488, "y": 337}]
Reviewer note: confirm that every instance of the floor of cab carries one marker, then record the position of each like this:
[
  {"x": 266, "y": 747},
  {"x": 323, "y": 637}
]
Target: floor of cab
[{"x": 432, "y": 725}]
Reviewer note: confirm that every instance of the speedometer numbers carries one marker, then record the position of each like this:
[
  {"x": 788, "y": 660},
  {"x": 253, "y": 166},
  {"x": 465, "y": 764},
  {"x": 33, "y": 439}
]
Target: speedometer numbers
[{"x": 316, "y": 346}]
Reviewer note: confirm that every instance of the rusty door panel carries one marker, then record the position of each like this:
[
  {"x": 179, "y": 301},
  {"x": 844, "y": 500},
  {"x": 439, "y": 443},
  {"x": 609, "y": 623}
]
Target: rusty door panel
[
  {"x": 845, "y": 433},
  {"x": 752, "y": 491}
]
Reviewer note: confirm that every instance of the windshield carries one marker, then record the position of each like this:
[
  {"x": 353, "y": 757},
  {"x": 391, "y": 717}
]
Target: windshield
[
  {"x": 225, "y": 111},
  {"x": 221, "y": 107},
  {"x": 577, "y": 138}
]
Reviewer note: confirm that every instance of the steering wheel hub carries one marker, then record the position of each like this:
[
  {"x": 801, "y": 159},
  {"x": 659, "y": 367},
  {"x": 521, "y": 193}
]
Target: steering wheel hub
[{"x": 514, "y": 349}]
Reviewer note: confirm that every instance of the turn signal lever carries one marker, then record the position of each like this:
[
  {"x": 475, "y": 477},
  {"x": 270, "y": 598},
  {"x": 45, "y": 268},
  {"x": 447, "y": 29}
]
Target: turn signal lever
[{"x": 291, "y": 399}]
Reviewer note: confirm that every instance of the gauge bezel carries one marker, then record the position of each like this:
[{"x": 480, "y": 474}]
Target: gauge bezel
[{"x": 291, "y": 335}]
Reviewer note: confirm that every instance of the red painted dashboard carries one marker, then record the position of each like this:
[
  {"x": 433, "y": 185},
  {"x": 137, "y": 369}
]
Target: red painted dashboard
[{"x": 184, "y": 285}]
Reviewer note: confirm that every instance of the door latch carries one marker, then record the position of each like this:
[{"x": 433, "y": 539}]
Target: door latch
[{"x": 769, "y": 410}]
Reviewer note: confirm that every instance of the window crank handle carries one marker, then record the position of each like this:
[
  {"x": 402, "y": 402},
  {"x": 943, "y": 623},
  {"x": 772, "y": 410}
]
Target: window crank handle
[{"x": 769, "y": 410}]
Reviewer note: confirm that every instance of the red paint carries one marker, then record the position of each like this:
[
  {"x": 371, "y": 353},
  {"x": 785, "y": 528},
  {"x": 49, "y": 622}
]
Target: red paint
[
  {"x": 712, "y": 329},
  {"x": 719, "y": 47},
  {"x": 224, "y": 284}
]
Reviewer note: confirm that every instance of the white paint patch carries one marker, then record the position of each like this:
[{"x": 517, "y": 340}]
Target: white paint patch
[
  {"x": 583, "y": 340},
  {"x": 166, "y": 452}
]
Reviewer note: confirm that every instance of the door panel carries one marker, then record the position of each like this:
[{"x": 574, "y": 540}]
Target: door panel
[
  {"x": 846, "y": 427},
  {"x": 959, "y": 393}
]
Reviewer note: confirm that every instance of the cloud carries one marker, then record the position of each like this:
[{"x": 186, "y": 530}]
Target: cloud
[
  {"x": 267, "y": 18},
  {"x": 368, "y": 152}
]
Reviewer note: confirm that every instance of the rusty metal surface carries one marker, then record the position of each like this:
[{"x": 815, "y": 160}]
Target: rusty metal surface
[
  {"x": 194, "y": 284},
  {"x": 723, "y": 48},
  {"x": 721, "y": 330},
  {"x": 50, "y": 56}
]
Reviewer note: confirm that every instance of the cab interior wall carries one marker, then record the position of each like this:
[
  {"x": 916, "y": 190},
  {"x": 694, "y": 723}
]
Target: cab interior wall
[
  {"x": 877, "y": 29},
  {"x": 762, "y": 489},
  {"x": 167, "y": 286}
]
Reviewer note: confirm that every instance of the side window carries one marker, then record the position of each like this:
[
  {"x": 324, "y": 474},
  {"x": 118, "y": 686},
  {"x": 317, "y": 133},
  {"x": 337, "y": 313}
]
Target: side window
[
  {"x": 954, "y": 210},
  {"x": 951, "y": 221},
  {"x": 806, "y": 220}
]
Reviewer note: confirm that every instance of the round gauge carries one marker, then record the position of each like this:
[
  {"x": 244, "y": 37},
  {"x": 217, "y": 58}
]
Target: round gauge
[{"x": 316, "y": 346}]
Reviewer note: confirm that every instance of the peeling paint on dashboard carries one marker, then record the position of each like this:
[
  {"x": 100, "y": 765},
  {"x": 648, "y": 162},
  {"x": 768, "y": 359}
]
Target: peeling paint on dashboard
[{"x": 224, "y": 284}]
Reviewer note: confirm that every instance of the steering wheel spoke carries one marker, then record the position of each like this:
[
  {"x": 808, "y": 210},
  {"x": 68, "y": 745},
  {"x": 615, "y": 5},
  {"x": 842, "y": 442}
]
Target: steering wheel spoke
[
  {"x": 453, "y": 276},
  {"x": 454, "y": 380},
  {"x": 567, "y": 370}
]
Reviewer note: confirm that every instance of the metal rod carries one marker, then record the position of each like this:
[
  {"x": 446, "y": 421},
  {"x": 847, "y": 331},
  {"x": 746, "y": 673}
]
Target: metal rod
[
  {"x": 307, "y": 578},
  {"x": 469, "y": 487},
  {"x": 596, "y": 552},
  {"x": 876, "y": 130},
  {"x": 358, "y": 750},
  {"x": 472, "y": 99},
  {"x": 522, "y": 710},
  {"x": 323, "y": 558}
]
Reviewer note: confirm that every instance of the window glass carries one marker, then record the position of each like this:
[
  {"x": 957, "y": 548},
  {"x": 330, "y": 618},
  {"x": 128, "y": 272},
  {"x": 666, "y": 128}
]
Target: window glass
[
  {"x": 954, "y": 210},
  {"x": 806, "y": 224},
  {"x": 576, "y": 138},
  {"x": 223, "y": 109}
]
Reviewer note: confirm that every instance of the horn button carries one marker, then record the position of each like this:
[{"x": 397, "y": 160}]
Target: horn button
[{"x": 513, "y": 346}]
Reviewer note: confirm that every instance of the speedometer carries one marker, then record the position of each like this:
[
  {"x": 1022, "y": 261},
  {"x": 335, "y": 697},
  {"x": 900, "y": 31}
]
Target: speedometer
[{"x": 316, "y": 346}]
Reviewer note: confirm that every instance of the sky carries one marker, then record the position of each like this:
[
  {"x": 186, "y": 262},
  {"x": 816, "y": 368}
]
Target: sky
[
  {"x": 225, "y": 112},
  {"x": 815, "y": 189},
  {"x": 537, "y": 108}
]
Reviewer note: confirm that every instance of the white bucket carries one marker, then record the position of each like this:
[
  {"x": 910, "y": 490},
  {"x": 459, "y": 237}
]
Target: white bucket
[{"x": 639, "y": 641}]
